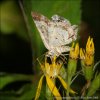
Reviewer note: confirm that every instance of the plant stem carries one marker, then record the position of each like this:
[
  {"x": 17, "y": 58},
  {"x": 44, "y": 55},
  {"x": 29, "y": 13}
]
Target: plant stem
[
  {"x": 69, "y": 81},
  {"x": 85, "y": 88}
]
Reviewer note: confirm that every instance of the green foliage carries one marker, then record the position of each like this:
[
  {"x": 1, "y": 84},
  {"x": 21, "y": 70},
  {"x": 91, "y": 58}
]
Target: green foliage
[
  {"x": 26, "y": 91},
  {"x": 11, "y": 19},
  {"x": 9, "y": 78},
  {"x": 95, "y": 85}
]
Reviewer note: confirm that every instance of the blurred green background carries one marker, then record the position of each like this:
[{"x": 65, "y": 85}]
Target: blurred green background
[{"x": 21, "y": 44}]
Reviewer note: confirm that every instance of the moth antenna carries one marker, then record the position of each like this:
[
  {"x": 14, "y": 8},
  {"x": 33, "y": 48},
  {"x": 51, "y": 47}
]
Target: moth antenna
[{"x": 38, "y": 61}]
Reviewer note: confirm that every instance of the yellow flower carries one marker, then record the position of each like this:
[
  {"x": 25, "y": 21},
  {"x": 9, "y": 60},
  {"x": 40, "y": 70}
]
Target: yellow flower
[
  {"x": 74, "y": 51},
  {"x": 89, "y": 59},
  {"x": 90, "y": 46},
  {"x": 88, "y": 55},
  {"x": 51, "y": 71},
  {"x": 82, "y": 53}
]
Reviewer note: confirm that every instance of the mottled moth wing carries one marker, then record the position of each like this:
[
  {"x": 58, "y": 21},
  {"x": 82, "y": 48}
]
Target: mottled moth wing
[
  {"x": 56, "y": 33},
  {"x": 60, "y": 31},
  {"x": 41, "y": 23}
]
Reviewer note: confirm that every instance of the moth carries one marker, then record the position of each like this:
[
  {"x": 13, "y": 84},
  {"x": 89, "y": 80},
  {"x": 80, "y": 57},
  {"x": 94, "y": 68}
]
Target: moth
[{"x": 56, "y": 33}]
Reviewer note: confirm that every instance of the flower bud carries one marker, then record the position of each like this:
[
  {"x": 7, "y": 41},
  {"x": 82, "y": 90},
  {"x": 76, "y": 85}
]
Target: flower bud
[{"x": 87, "y": 59}]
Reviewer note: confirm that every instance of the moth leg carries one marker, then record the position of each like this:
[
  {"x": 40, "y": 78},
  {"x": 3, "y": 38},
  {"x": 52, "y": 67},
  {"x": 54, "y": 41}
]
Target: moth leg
[{"x": 64, "y": 58}]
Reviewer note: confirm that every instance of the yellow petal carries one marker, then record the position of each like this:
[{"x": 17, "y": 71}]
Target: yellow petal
[
  {"x": 39, "y": 88},
  {"x": 74, "y": 51},
  {"x": 65, "y": 85},
  {"x": 89, "y": 59},
  {"x": 90, "y": 46},
  {"x": 73, "y": 44},
  {"x": 77, "y": 49},
  {"x": 53, "y": 88},
  {"x": 82, "y": 55}
]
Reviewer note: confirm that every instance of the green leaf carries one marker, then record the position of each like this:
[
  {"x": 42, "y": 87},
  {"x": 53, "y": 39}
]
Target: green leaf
[
  {"x": 95, "y": 85},
  {"x": 27, "y": 92},
  {"x": 8, "y": 78},
  {"x": 11, "y": 19}
]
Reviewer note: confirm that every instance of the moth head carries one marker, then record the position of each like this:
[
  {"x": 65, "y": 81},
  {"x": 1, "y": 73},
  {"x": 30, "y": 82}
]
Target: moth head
[
  {"x": 39, "y": 17},
  {"x": 35, "y": 16}
]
